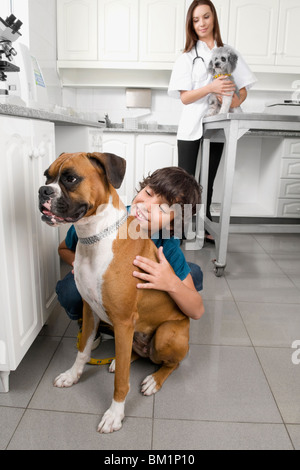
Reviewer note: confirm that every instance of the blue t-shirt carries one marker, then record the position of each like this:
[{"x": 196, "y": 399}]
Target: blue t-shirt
[{"x": 171, "y": 249}]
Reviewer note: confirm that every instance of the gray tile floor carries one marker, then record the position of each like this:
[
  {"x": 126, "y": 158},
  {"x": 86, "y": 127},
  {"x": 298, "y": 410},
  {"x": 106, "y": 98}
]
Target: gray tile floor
[{"x": 237, "y": 389}]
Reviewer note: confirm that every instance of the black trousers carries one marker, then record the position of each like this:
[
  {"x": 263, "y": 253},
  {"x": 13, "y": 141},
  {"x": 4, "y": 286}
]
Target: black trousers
[{"x": 187, "y": 159}]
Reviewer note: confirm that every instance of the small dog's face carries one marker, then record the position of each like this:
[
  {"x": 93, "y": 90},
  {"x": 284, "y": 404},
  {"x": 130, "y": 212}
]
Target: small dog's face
[{"x": 223, "y": 61}]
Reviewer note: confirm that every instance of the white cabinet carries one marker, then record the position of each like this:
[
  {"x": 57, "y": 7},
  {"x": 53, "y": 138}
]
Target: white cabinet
[
  {"x": 144, "y": 153},
  {"x": 77, "y": 29},
  {"x": 222, "y": 8},
  {"x": 154, "y": 152},
  {"x": 289, "y": 193},
  {"x": 266, "y": 32},
  {"x": 288, "y": 52},
  {"x": 138, "y": 33},
  {"x": 161, "y": 30},
  {"x": 253, "y": 27},
  {"x": 123, "y": 145},
  {"x": 118, "y": 30},
  {"x": 30, "y": 265}
]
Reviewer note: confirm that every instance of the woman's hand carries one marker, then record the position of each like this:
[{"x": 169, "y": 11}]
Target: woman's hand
[
  {"x": 159, "y": 276},
  {"x": 222, "y": 86}
]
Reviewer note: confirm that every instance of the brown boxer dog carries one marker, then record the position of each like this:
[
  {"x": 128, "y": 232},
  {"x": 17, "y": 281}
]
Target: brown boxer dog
[{"x": 80, "y": 188}]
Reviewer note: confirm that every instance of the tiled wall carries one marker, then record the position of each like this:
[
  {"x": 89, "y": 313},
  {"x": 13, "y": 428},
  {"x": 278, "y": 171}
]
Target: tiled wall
[{"x": 165, "y": 110}]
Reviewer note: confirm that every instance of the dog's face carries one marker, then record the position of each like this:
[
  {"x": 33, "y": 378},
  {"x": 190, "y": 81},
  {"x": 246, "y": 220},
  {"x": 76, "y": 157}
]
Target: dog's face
[
  {"x": 76, "y": 184},
  {"x": 223, "y": 61}
]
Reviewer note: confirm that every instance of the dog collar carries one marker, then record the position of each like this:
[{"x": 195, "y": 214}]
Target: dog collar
[
  {"x": 105, "y": 233},
  {"x": 222, "y": 75}
]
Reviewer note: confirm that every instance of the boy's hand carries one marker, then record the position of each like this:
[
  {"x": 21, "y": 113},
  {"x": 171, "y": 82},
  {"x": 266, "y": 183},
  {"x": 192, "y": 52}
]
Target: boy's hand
[{"x": 159, "y": 276}]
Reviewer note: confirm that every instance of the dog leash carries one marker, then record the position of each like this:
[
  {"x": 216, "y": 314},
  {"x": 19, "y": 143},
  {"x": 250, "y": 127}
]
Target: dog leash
[{"x": 92, "y": 361}]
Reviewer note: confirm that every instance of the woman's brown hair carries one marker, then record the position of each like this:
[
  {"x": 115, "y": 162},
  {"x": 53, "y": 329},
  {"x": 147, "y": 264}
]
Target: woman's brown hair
[{"x": 191, "y": 36}]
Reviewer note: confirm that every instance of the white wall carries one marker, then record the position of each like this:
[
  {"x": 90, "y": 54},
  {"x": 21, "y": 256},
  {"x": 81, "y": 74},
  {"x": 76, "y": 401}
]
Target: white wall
[{"x": 97, "y": 101}]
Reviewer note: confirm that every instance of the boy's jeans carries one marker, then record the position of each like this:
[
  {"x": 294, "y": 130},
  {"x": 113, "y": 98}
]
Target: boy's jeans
[{"x": 70, "y": 299}]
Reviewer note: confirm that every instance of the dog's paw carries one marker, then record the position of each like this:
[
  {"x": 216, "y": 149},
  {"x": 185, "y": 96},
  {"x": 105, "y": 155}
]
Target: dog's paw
[
  {"x": 112, "y": 366},
  {"x": 112, "y": 418},
  {"x": 149, "y": 386},
  {"x": 66, "y": 379}
]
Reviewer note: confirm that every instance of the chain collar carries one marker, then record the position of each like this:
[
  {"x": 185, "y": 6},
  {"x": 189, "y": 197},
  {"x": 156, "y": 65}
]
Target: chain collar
[{"x": 105, "y": 233}]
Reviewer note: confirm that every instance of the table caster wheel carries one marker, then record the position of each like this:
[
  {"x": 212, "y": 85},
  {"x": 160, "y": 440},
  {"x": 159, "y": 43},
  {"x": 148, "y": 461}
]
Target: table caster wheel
[{"x": 219, "y": 270}]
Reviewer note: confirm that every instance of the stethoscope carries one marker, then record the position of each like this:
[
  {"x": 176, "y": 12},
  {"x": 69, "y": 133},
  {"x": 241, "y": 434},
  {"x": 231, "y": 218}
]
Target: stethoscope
[{"x": 199, "y": 57}]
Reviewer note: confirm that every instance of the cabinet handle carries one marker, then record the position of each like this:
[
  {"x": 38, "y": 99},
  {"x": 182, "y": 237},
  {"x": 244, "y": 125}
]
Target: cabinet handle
[
  {"x": 34, "y": 153},
  {"x": 37, "y": 153}
]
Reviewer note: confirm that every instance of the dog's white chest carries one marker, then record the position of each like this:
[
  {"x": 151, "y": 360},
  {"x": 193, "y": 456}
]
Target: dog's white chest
[{"x": 90, "y": 266}]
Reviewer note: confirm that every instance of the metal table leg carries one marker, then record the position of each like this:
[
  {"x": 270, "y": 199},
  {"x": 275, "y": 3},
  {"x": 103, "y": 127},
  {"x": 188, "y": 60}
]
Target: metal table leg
[{"x": 220, "y": 231}]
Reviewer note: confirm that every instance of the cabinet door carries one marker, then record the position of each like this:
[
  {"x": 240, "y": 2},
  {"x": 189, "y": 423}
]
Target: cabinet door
[
  {"x": 154, "y": 151},
  {"x": 288, "y": 52},
  {"x": 42, "y": 155},
  {"x": 18, "y": 242},
  {"x": 77, "y": 29},
  {"x": 122, "y": 144},
  {"x": 118, "y": 30},
  {"x": 161, "y": 30},
  {"x": 222, "y": 8},
  {"x": 253, "y": 29}
]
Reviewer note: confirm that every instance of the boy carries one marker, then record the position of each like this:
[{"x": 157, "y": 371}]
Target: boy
[{"x": 152, "y": 207}]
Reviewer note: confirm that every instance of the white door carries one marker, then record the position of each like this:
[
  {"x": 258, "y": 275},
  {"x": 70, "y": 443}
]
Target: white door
[
  {"x": 154, "y": 151},
  {"x": 18, "y": 247},
  {"x": 288, "y": 51},
  {"x": 118, "y": 30},
  {"x": 122, "y": 144},
  {"x": 77, "y": 29},
  {"x": 222, "y": 8},
  {"x": 161, "y": 30},
  {"x": 253, "y": 28},
  {"x": 43, "y": 145}
]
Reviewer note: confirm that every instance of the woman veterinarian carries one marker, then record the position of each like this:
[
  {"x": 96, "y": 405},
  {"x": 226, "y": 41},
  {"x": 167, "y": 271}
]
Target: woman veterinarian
[{"x": 191, "y": 83}]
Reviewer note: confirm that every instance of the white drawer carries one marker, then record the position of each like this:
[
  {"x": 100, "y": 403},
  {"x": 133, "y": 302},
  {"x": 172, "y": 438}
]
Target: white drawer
[
  {"x": 289, "y": 188},
  {"x": 291, "y": 148},
  {"x": 288, "y": 208},
  {"x": 290, "y": 168}
]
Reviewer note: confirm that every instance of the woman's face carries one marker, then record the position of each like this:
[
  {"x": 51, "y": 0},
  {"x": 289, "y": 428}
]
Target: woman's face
[{"x": 203, "y": 21}]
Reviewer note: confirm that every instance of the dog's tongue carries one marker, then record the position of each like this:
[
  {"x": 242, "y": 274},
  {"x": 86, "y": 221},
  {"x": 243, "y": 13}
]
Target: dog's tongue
[
  {"x": 47, "y": 205},
  {"x": 54, "y": 218}
]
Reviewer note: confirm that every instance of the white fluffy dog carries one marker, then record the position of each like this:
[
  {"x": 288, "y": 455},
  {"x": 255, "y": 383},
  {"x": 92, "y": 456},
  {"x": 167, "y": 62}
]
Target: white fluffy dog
[{"x": 223, "y": 62}]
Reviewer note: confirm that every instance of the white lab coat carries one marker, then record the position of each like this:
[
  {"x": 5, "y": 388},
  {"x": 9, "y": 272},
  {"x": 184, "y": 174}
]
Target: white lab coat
[{"x": 189, "y": 76}]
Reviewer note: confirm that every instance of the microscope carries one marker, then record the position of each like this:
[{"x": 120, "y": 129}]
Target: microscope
[{"x": 9, "y": 32}]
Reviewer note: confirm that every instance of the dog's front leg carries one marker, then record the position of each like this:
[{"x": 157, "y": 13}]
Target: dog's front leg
[
  {"x": 226, "y": 103},
  {"x": 89, "y": 329},
  {"x": 113, "y": 417}
]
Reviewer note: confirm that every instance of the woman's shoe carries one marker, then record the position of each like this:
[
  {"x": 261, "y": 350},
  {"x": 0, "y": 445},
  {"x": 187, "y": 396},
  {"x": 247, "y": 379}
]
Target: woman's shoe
[{"x": 209, "y": 240}]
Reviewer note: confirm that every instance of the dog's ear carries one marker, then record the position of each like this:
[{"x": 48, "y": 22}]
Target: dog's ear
[
  {"x": 113, "y": 166},
  {"x": 232, "y": 59},
  {"x": 210, "y": 68}
]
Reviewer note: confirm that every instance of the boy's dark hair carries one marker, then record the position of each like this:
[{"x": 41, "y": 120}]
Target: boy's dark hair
[{"x": 177, "y": 186}]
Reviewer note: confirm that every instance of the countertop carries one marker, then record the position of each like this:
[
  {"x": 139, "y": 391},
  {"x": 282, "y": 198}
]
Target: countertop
[
  {"x": 257, "y": 124},
  {"x": 252, "y": 117},
  {"x": 31, "y": 113},
  {"x": 66, "y": 120}
]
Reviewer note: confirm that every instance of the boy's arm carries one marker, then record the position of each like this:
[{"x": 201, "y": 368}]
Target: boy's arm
[
  {"x": 160, "y": 276},
  {"x": 65, "y": 253}
]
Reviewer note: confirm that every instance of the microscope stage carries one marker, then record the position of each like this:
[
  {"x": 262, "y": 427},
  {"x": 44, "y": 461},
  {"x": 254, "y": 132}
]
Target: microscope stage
[{"x": 6, "y": 66}]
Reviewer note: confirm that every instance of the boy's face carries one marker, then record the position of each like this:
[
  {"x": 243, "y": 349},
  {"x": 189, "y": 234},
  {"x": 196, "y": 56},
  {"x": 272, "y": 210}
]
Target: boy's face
[{"x": 152, "y": 211}]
